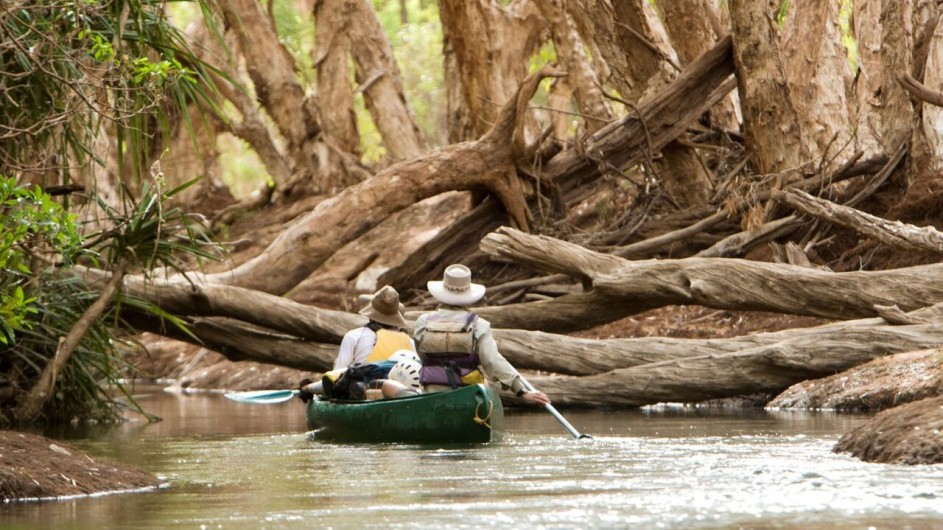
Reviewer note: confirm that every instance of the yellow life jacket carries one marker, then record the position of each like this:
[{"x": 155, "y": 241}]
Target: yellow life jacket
[{"x": 389, "y": 342}]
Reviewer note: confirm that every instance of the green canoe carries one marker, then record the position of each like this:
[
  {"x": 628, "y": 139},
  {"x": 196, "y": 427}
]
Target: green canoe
[{"x": 471, "y": 414}]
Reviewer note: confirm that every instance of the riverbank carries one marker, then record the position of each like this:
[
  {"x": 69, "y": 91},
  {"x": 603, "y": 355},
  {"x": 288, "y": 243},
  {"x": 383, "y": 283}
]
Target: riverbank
[{"x": 34, "y": 467}]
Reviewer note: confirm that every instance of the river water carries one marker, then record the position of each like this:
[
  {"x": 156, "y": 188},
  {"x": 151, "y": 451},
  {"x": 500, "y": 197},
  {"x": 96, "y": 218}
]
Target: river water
[{"x": 230, "y": 465}]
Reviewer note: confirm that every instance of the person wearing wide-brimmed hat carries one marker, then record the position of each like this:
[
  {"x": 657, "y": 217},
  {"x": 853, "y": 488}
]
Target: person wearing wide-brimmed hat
[
  {"x": 376, "y": 341},
  {"x": 456, "y": 345}
]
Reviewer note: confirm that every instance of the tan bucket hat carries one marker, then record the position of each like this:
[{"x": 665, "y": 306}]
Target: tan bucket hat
[
  {"x": 456, "y": 287},
  {"x": 385, "y": 308}
]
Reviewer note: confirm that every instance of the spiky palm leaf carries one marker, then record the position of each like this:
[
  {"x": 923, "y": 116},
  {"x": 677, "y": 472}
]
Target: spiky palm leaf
[{"x": 146, "y": 235}]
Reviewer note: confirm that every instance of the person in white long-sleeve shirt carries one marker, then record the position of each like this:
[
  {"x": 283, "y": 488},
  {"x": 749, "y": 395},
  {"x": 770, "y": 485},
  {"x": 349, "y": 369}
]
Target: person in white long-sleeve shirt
[{"x": 373, "y": 342}]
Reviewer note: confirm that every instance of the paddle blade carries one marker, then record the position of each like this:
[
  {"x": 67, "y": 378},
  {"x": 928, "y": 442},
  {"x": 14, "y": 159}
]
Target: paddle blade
[{"x": 262, "y": 397}]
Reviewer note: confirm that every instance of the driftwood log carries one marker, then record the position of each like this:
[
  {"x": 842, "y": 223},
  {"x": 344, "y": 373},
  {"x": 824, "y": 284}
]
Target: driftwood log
[
  {"x": 256, "y": 326},
  {"x": 322, "y": 328},
  {"x": 656, "y": 122},
  {"x": 894, "y": 233},
  {"x": 714, "y": 369},
  {"x": 766, "y": 368},
  {"x": 621, "y": 287}
]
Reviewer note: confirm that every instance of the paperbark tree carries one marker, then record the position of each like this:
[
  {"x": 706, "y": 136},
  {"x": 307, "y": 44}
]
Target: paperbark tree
[
  {"x": 586, "y": 86},
  {"x": 771, "y": 128},
  {"x": 331, "y": 61},
  {"x": 488, "y": 163},
  {"x": 271, "y": 69},
  {"x": 379, "y": 79},
  {"x": 486, "y": 51},
  {"x": 819, "y": 77},
  {"x": 693, "y": 28}
]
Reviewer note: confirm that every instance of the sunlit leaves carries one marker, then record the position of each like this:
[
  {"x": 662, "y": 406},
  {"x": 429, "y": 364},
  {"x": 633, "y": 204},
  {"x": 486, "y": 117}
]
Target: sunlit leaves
[
  {"x": 41, "y": 304},
  {"x": 33, "y": 228},
  {"x": 70, "y": 66}
]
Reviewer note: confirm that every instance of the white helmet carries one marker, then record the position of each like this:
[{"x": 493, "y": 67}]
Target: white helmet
[
  {"x": 406, "y": 372},
  {"x": 405, "y": 355}
]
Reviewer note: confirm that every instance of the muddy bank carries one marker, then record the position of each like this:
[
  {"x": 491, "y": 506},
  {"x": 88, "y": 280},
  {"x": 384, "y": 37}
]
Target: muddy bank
[
  {"x": 872, "y": 387},
  {"x": 36, "y": 468},
  {"x": 907, "y": 434},
  {"x": 907, "y": 391}
]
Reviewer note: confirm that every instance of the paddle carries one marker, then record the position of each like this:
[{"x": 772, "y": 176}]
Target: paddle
[
  {"x": 262, "y": 397},
  {"x": 576, "y": 434}
]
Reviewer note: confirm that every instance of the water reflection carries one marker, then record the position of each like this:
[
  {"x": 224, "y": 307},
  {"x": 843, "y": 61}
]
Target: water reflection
[{"x": 235, "y": 466}]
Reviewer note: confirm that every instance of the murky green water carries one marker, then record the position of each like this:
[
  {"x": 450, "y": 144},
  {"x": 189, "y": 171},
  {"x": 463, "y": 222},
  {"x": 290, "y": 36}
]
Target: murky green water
[{"x": 238, "y": 466}]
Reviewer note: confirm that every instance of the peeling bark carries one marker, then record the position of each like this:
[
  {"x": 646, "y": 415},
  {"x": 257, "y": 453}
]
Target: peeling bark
[
  {"x": 770, "y": 122},
  {"x": 331, "y": 62},
  {"x": 621, "y": 287},
  {"x": 271, "y": 68},
  {"x": 818, "y": 74},
  {"x": 381, "y": 82},
  {"x": 487, "y": 43},
  {"x": 894, "y": 233},
  {"x": 580, "y": 76}
]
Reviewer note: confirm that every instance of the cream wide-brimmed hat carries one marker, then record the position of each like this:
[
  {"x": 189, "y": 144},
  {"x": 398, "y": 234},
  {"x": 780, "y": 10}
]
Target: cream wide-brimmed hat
[
  {"x": 385, "y": 308},
  {"x": 456, "y": 287}
]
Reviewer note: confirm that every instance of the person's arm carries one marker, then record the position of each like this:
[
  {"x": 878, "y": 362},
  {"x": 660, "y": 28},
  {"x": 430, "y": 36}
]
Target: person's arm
[
  {"x": 345, "y": 355},
  {"x": 498, "y": 368},
  {"x": 363, "y": 346}
]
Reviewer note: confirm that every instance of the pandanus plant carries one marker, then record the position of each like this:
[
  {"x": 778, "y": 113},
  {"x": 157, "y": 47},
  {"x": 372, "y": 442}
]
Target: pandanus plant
[{"x": 65, "y": 343}]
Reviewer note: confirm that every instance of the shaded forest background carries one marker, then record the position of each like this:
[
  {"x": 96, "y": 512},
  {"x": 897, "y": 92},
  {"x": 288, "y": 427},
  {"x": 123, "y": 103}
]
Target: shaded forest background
[{"x": 639, "y": 184}]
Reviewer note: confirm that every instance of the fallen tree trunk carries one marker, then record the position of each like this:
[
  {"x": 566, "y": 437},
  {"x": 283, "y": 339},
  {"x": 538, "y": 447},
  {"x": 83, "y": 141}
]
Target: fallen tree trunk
[
  {"x": 578, "y": 356},
  {"x": 194, "y": 298},
  {"x": 703, "y": 83},
  {"x": 894, "y": 233},
  {"x": 275, "y": 330},
  {"x": 623, "y": 143},
  {"x": 458, "y": 239},
  {"x": 768, "y": 368},
  {"x": 485, "y": 164},
  {"x": 742, "y": 242},
  {"x": 621, "y": 287},
  {"x": 238, "y": 341},
  {"x": 709, "y": 219},
  {"x": 695, "y": 370}
]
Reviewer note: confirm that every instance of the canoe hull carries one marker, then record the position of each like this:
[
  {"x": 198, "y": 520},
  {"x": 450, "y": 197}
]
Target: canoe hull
[{"x": 471, "y": 414}]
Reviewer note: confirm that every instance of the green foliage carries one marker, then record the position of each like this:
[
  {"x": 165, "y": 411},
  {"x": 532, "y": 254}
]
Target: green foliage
[
  {"x": 845, "y": 15},
  {"x": 782, "y": 13},
  {"x": 85, "y": 388},
  {"x": 240, "y": 167},
  {"x": 32, "y": 226},
  {"x": 296, "y": 32},
  {"x": 48, "y": 299},
  {"x": 70, "y": 66},
  {"x": 147, "y": 236},
  {"x": 545, "y": 55}
]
